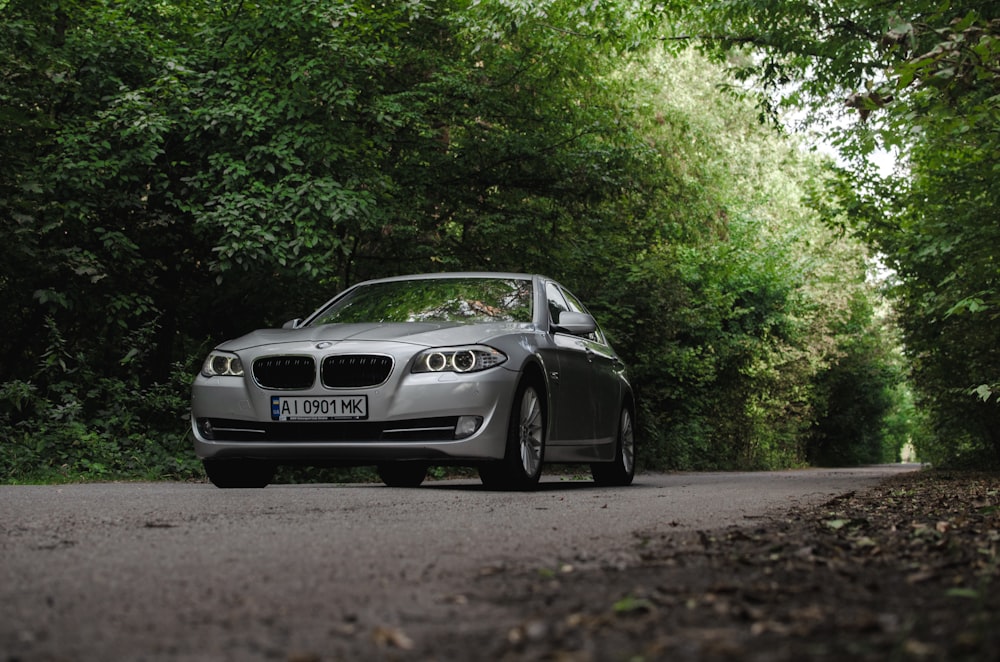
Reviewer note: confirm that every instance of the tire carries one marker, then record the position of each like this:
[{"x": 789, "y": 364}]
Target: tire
[
  {"x": 402, "y": 474},
  {"x": 521, "y": 466},
  {"x": 228, "y": 474},
  {"x": 621, "y": 471}
]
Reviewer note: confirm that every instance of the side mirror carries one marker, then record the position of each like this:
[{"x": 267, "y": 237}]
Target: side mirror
[
  {"x": 577, "y": 324},
  {"x": 292, "y": 324}
]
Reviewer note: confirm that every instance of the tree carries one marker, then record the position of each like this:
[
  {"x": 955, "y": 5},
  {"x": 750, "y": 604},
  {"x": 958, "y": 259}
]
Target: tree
[
  {"x": 733, "y": 301},
  {"x": 921, "y": 80},
  {"x": 178, "y": 173}
]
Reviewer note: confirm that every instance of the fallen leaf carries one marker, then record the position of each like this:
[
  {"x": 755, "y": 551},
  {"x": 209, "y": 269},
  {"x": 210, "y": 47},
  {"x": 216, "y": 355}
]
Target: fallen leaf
[
  {"x": 920, "y": 577},
  {"x": 631, "y": 605},
  {"x": 918, "y": 648},
  {"x": 386, "y": 637}
]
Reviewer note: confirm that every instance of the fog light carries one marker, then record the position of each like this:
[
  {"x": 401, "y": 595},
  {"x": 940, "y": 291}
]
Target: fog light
[
  {"x": 205, "y": 427},
  {"x": 467, "y": 426}
]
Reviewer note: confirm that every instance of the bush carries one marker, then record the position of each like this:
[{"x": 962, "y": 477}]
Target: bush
[{"x": 104, "y": 429}]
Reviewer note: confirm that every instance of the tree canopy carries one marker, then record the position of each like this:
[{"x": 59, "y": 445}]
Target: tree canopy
[
  {"x": 922, "y": 81},
  {"x": 179, "y": 173}
]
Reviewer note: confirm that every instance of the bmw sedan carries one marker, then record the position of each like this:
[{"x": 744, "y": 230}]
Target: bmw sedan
[{"x": 498, "y": 371}]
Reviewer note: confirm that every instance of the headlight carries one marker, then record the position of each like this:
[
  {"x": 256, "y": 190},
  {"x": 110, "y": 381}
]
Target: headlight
[
  {"x": 222, "y": 364},
  {"x": 458, "y": 359}
]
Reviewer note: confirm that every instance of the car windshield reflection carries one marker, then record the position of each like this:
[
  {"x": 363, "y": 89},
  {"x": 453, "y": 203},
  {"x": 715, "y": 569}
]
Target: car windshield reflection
[{"x": 445, "y": 300}]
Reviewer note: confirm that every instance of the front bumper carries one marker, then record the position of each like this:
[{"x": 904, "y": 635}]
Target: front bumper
[{"x": 411, "y": 419}]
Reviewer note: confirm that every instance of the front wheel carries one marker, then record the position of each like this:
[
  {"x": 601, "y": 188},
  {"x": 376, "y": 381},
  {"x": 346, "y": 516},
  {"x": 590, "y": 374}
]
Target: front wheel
[
  {"x": 521, "y": 466},
  {"x": 621, "y": 471},
  {"x": 229, "y": 474},
  {"x": 402, "y": 474}
]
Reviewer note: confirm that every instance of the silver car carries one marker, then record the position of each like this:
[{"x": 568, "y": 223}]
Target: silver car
[{"x": 497, "y": 371}]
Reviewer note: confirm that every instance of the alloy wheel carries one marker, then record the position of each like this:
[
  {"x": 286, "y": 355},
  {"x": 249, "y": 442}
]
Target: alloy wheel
[{"x": 530, "y": 433}]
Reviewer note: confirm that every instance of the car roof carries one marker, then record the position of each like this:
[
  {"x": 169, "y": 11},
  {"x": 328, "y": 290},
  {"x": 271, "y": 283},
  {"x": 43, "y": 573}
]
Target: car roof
[{"x": 459, "y": 274}]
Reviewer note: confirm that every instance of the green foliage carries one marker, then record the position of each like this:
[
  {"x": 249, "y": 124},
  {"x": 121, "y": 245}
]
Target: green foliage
[
  {"x": 179, "y": 173},
  {"x": 857, "y": 392},
  {"x": 735, "y": 305},
  {"x": 921, "y": 81},
  {"x": 106, "y": 429}
]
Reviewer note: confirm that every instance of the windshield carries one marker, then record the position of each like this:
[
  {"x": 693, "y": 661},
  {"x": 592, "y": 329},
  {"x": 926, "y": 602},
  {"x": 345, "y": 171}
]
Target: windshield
[{"x": 449, "y": 300}]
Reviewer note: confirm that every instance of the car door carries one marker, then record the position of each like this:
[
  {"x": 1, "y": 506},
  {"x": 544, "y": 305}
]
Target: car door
[
  {"x": 572, "y": 421},
  {"x": 604, "y": 381}
]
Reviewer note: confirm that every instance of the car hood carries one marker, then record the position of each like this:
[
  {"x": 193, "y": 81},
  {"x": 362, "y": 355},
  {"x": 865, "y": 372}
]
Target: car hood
[{"x": 421, "y": 334}]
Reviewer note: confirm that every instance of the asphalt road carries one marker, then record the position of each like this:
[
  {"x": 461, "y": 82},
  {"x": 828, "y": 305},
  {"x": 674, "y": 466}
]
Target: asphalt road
[{"x": 174, "y": 571}]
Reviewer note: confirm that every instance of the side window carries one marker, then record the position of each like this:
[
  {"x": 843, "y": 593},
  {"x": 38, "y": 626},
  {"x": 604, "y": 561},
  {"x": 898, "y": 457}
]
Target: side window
[
  {"x": 574, "y": 303},
  {"x": 577, "y": 307},
  {"x": 556, "y": 301}
]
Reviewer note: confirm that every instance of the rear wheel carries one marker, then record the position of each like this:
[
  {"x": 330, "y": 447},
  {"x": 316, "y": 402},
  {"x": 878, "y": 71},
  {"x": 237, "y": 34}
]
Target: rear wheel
[
  {"x": 521, "y": 466},
  {"x": 239, "y": 473},
  {"x": 402, "y": 474},
  {"x": 621, "y": 471}
]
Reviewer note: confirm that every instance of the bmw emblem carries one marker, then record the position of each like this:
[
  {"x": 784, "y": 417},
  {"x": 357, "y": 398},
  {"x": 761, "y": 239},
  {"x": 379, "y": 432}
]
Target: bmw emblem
[{"x": 324, "y": 345}]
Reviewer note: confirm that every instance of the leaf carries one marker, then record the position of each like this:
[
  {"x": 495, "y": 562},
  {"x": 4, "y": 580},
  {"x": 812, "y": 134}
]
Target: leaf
[
  {"x": 984, "y": 391},
  {"x": 128, "y": 358},
  {"x": 630, "y": 604},
  {"x": 386, "y": 636}
]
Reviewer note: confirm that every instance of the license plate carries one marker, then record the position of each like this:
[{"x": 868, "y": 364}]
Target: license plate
[{"x": 319, "y": 407}]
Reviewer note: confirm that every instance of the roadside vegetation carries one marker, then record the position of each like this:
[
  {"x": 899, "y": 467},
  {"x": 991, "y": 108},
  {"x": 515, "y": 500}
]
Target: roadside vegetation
[{"x": 178, "y": 173}]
